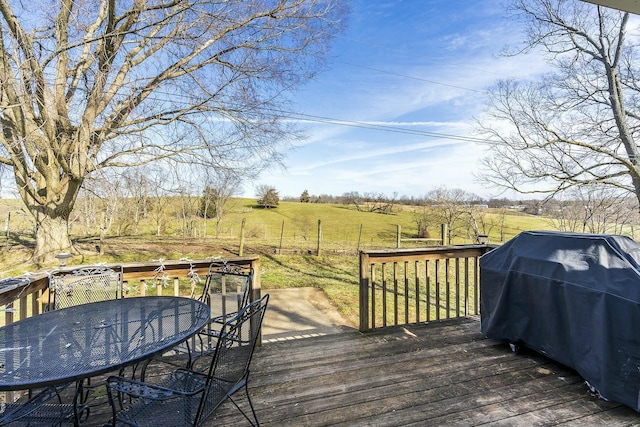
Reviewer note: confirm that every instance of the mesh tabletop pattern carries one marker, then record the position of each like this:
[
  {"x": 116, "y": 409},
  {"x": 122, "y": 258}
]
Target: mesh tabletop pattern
[{"x": 91, "y": 339}]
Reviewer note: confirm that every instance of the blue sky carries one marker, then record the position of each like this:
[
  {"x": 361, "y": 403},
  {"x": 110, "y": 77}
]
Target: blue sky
[{"x": 403, "y": 74}]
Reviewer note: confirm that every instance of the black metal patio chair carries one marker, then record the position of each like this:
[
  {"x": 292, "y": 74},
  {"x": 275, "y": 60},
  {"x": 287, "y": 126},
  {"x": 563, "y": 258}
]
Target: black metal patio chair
[
  {"x": 226, "y": 291},
  {"x": 186, "y": 397},
  {"x": 42, "y": 409},
  {"x": 226, "y": 288},
  {"x": 84, "y": 285}
]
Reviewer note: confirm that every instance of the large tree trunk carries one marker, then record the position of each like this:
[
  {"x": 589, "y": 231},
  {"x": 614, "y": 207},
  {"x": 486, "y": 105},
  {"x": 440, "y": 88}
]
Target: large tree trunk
[
  {"x": 52, "y": 238},
  {"x": 50, "y": 205}
]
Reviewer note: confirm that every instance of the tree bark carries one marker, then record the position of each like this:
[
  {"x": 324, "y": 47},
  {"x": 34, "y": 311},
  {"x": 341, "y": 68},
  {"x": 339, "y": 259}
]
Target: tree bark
[{"x": 52, "y": 238}]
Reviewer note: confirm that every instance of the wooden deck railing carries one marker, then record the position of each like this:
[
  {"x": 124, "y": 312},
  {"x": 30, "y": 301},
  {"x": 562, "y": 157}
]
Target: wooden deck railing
[
  {"x": 404, "y": 286},
  {"x": 397, "y": 286},
  {"x": 157, "y": 278}
]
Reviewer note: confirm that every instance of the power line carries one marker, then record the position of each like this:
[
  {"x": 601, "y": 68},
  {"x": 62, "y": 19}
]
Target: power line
[
  {"x": 180, "y": 98},
  {"x": 385, "y": 128}
]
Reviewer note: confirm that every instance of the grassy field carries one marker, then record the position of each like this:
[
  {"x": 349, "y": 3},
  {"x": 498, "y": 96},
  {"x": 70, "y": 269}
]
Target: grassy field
[
  {"x": 285, "y": 238},
  {"x": 291, "y": 225},
  {"x": 348, "y": 229}
]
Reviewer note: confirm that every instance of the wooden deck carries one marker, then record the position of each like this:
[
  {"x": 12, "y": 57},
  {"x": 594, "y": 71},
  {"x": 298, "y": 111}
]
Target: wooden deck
[{"x": 434, "y": 374}]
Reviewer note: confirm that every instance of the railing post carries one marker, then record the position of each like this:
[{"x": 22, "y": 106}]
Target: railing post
[
  {"x": 364, "y": 292},
  {"x": 255, "y": 290}
]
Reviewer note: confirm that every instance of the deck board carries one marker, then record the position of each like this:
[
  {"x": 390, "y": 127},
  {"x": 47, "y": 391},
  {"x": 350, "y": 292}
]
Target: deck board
[{"x": 441, "y": 373}]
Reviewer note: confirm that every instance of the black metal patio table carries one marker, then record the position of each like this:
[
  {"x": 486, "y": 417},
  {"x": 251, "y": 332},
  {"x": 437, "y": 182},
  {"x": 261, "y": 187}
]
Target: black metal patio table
[{"x": 79, "y": 342}]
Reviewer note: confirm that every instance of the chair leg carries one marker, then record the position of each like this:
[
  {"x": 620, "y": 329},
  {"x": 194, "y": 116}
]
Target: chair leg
[
  {"x": 253, "y": 411},
  {"x": 254, "y": 422}
]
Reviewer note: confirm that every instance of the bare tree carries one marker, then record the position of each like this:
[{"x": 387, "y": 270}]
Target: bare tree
[
  {"x": 353, "y": 197},
  {"x": 92, "y": 84},
  {"x": 370, "y": 202},
  {"x": 162, "y": 188},
  {"x": 578, "y": 125},
  {"x": 594, "y": 209},
  {"x": 478, "y": 223},
  {"x": 137, "y": 185},
  {"x": 110, "y": 189},
  {"x": 380, "y": 203},
  {"x": 187, "y": 213},
  {"x": 100, "y": 205},
  {"x": 451, "y": 207},
  {"x": 86, "y": 215},
  {"x": 422, "y": 216},
  {"x": 220, "y": 187}
]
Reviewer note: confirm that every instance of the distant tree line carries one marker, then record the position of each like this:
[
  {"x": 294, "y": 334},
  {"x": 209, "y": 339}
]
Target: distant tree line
[
  {"x": 381, "y": 203},
  {"x": 585, "y": 209},
  {"x": 173, "y": 202}
]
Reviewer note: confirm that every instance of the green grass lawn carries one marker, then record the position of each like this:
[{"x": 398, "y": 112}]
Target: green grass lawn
[{"x": 336, "y": 275}]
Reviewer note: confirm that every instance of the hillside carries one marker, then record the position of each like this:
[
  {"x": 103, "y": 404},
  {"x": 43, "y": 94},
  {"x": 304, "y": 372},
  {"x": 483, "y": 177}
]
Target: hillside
[
  {"x": 291, "y": 228},
  {"x": 342, "y": 223}
]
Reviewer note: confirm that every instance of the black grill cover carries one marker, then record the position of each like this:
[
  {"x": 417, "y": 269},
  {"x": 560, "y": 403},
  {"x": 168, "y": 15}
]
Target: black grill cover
[{"x": 573, "y": 297}]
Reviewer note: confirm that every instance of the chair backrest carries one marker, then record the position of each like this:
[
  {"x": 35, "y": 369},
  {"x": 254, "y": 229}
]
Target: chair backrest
[
  {"x": 226, "y": 288},
  {"x": 229, "y": 367},
  {"x": 84, "y": 285}
]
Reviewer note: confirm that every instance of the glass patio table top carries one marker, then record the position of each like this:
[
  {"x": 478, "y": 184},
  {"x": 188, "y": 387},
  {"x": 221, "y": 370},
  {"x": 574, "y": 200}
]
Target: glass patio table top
[{"x": 91, "y": 339}]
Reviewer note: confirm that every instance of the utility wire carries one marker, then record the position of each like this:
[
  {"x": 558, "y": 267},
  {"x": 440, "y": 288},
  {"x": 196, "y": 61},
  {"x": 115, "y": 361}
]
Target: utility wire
[
  {"x": 385, "y": 128},
  {"x": 292, "y": 115}
]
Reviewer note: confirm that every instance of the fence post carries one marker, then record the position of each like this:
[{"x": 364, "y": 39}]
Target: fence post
[
  {"x": 444, "y": 231},
  {"x": 242, "y": 225},
  {"x": 6, "y": 229},
  {"x": 319, "y": 237},
  {"x": 281, "y": 234}
]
